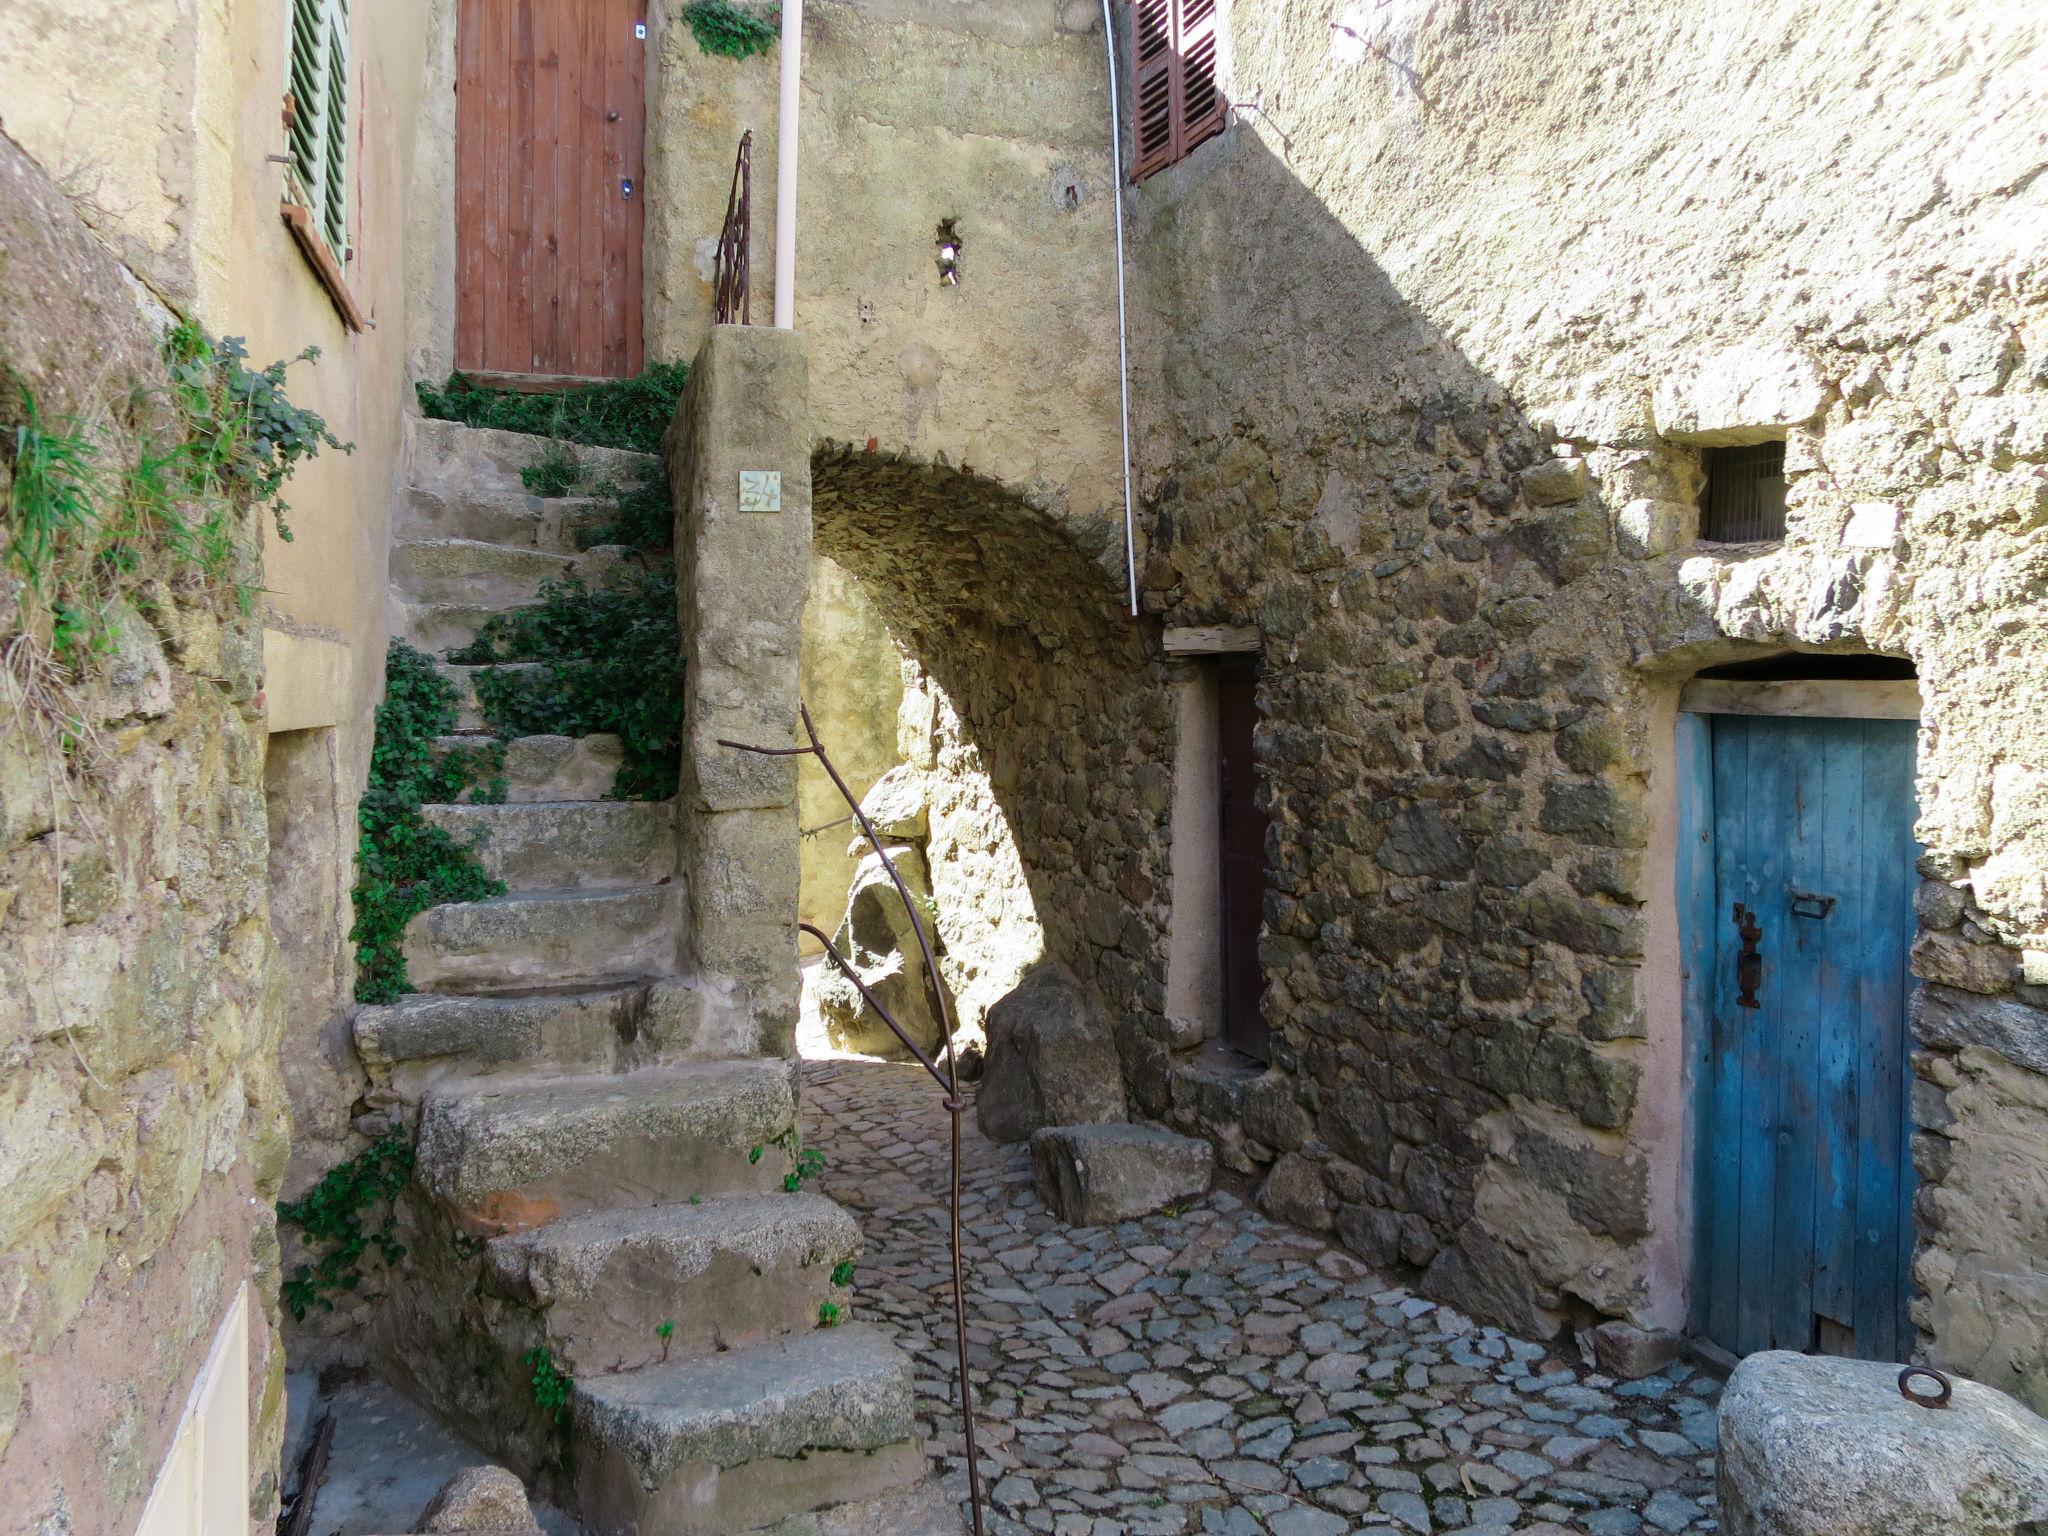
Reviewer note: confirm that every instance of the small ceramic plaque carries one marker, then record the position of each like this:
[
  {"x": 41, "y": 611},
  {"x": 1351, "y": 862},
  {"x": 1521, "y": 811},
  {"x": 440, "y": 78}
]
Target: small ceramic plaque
[{"x": 760, "y": 490}]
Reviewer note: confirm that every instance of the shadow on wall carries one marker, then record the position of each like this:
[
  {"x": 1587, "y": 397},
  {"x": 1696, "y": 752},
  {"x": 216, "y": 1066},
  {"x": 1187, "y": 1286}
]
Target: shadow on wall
[
  {"x": 1470, "y": 615},
  {"x": 1041, "y": 721}
]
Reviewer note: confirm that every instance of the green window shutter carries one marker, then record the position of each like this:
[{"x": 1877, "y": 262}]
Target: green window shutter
[{"x": 319, "y": 140}]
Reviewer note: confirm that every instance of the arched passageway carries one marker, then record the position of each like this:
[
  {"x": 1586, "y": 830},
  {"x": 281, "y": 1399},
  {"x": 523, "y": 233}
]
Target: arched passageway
[{"x": 1043, "y": 725}]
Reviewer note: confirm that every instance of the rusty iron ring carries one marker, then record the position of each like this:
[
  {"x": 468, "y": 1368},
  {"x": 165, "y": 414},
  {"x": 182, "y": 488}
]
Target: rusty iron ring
[{"x": 1912, "y": 1394}]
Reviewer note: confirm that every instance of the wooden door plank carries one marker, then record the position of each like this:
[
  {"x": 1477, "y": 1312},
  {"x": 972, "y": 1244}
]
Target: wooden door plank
[
  {"x": 470, "y": 129},
  {"x": 1696, "y": 909},
  {"x": 1885, "y": 1184},
  {"x": 634, "y": 118},
  {"x": 1242, "y": 847},
  {"x": 585, "y": 216},
  {"x": 579, "y": 111},
  {"x": 521, "y": 293},
  {"x": 1761, "y": 878},
  {"x": 1796, "y": 996},
  {"x": 544, "y": 154},
  {"x": 1837, "y": 936},
  {"x": 618, "y": 36},
  {"x": 495, "y": 61},
  {"x": 1733, "y": 1090}
]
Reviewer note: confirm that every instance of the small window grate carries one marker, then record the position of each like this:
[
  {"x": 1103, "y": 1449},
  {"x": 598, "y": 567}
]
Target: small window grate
[{"x": 1744, "y": 501}]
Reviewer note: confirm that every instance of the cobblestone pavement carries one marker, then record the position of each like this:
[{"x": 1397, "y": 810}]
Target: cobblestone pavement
[{"x": 1214, "y": 1371}]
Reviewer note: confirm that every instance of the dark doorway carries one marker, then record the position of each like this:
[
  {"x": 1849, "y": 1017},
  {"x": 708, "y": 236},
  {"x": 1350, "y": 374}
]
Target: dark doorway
[
  {"x": 1243, "y": 852},
  {"x": 550, "y": 106}
]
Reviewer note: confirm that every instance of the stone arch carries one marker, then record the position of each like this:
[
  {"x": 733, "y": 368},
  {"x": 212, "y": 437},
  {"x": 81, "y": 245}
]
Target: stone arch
[{"x": 1038, "y": 710}]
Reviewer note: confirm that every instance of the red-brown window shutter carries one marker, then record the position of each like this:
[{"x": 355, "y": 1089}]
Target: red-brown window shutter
[{"x": 1176, "y": 103}]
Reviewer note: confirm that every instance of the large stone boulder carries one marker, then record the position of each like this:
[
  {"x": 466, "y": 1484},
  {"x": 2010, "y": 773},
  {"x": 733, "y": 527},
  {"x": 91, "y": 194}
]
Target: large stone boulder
[
  {"x": 876, "y": 938},
  {"x": 1052, "y": 1058},
  {"x": 1815, "y": 1446},
  {"x": 1095, "y": 1175},
  {"x": 487, "y": 1501}
]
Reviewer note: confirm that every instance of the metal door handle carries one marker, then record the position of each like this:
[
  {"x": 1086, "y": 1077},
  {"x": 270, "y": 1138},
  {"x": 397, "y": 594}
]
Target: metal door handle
[
  {"x": 1806, "y": 904},
  {"x": 1749, "y": 964}
]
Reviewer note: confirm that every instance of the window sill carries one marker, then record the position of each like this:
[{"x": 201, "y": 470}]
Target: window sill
[{"x": 299, "y": 221}]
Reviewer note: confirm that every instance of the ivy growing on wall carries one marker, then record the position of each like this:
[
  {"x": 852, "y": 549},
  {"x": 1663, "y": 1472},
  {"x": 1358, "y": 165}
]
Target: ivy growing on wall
[
  {"x": 331, "y": 1216},
  {"x": 78, "y": 525},
  {"x": 404, "y": 864},
  {"x": 732, "y": 31}
]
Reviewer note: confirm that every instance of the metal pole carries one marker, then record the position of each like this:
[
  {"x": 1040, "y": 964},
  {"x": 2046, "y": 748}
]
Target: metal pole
[{"x": 785, "y": 165}]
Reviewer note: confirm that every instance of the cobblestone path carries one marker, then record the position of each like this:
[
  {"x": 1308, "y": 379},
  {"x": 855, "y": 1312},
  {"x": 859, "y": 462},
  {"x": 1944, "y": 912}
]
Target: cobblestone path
[{"x": 1214, "y": 1371}]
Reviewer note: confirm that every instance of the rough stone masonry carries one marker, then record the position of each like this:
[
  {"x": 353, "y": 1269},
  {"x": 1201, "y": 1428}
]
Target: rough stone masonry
[
  {"x": 142, "y": 1119},
  {"x": 1436, "y": 338}
]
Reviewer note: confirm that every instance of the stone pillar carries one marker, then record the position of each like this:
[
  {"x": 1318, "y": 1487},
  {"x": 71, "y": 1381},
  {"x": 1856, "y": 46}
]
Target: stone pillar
[{"x": 743, "y": 562}]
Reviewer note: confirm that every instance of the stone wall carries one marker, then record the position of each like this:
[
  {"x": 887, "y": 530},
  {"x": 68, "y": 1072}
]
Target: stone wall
[
  {"x": 912, "y": 113},
  {"x": 1432, "y": 339},
  {"x": 142, "y": 1119},
  {"x": 852, "y": 679},
  {"x": 1039, "y": 718}
]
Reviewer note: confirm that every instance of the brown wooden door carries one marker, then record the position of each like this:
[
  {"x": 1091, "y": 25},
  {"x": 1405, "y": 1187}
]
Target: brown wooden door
[
  {"x": 1243, "y": 844},
  {"x": 550, "y": 113}
]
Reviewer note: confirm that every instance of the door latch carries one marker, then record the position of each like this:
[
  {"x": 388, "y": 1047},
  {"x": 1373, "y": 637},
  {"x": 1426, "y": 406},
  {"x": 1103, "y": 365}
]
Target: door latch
[
  {"x": 1806, "y": 904},
  {"x": 1749, "y": 964}
]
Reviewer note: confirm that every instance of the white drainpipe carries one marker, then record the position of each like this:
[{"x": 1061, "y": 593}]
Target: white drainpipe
[
  {"x": 1123, "y": 345},
  {"x": 785, "y": 165}
]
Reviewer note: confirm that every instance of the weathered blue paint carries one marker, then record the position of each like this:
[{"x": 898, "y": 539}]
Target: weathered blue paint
[{"x": 1802, "y": 1184}]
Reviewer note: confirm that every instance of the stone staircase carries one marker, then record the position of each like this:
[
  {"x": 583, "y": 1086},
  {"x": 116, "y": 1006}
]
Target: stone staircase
[{"x": 607, "y": 1286}]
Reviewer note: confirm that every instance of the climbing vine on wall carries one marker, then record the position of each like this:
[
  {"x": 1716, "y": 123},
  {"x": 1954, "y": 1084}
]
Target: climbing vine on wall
[
  {"x": 79, "y": 528},
  {"x": 732, "y": 31},
  {"x": 404, "y": 864},
  {"x": 331, "y": 1216}
]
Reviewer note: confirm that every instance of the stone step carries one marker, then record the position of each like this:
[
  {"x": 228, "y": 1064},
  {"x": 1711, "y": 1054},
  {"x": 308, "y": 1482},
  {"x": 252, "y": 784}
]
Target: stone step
[
  {"x": 432, "y": 572},
  {"x": 547, "y": 769},
  {"x": 553, "y": 938},
  {"x": 409, "y": 1045},
  {"x": 438, "y": 628},
  {"x": 511, "y": 1155},
  {"x": 469, "y": 714},
  {"x": 453, "y": 460},
  {"x": 571, "y": 845},
  {"x": 740, "y": 1440},
  {"x": 556, "y": 523},
  {"x": 732, "y": 1272}
]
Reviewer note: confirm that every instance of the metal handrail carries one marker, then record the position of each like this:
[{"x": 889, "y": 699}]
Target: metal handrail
[{"x": 733, "y": 300}]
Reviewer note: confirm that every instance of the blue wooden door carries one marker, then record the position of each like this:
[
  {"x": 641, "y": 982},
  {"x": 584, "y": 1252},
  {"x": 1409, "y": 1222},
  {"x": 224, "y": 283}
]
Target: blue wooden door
[{"x": 1802, "y": 912}]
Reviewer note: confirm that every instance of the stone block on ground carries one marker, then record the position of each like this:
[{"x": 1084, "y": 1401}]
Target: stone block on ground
[
  {"x": 1631, "y": 1353},
  {"x": 1815, "y": 1446},
  {"x": 1092, "y": 1175},
  {"x": 1052, "y": 1058},
  {"x": 481, "y": 1500},
  {"x": 877, "y": 940}
]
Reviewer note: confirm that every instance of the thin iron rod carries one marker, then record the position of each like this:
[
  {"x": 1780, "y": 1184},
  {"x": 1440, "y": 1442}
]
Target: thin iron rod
[
  {"x": 950, "y": 1082},
  {"x": 873, "y": 1002}
]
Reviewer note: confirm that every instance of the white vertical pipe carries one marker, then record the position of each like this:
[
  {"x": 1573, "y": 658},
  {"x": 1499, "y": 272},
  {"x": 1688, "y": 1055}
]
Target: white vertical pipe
[
  {"x": 785, "y": 165},
  {"x": 1123, "y": 346}
]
